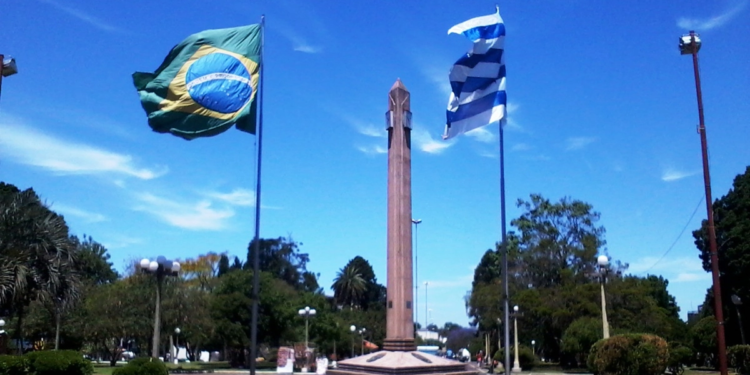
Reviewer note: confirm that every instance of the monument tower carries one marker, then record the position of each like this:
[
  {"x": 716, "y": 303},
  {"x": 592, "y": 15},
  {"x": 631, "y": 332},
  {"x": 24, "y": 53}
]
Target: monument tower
[
  {"x": 400, "y": 309},
  {"x": 399, "y": 355}
]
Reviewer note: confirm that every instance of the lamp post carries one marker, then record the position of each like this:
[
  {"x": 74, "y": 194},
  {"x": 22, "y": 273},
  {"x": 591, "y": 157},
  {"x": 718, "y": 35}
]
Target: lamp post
[
  {"x": 160, "y": 268},
  {"x": 353, "y": 329},
  {"x": 425, "y": 302},
  {"x": 307, "y": 312},
  {"x": 416, "y": 223},
  {"x": 176, "y": 344},
  {"x": 362, "y": 340},
  {"x": 689, "y": 45},
  {"x": 737, "y": 301},
  {"x": 3, "y": 337},
  {"x": 533, "y": 347},
  {"x": 516, "y": 364},
  {"x": 7, "y": 68},
  {"x": 603, "y": 262}
]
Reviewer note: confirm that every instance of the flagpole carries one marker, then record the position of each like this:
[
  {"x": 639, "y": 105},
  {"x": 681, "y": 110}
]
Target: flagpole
[
  {"x": 504, "y": 249},
  {"x": 256, "y": 251}
]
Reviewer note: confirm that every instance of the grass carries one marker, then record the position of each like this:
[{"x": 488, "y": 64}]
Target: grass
[{"x": 105, "y": 369}]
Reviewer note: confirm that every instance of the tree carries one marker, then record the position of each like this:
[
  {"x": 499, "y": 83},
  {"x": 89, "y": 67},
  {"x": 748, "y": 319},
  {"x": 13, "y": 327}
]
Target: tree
[
  {"x": 372, "y": 295},
  {"x": 282, "y": 258},
  {"x": 93, "y": 262},
  {"x": 732, "y": 227},
  {"x": 349, "y": 286},
  {"x": 34, "y": 248},
  {"x": 579, "y": 337}
]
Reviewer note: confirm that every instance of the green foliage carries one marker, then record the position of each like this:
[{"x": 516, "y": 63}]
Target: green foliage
[
  {"x": 282, "y": 258},
  {"x": 143, "y": 366},
  {"x": 629, "y": 354},
  {"x": 679, "y": 358},
  {"x": 13, "y": 365},
  {"x": 62, "y": 362},
  {"x": 739, "y": 358},
  {"x": 579, "y": 337},
  {"x": 526, "y": 358},
  {"x": 703, "y": 335}
]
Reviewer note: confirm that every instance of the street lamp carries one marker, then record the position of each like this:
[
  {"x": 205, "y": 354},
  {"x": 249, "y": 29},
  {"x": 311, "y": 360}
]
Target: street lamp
[
  {"x": 425, "y": 302},
  {"x": 603, "y": 262},
  {"x": 160, "y": 268},
  {"x": 176, "y": 344},
  {"x": 516, "y": 363},
  {"x": 7, "y": 68},
  {"x": 362, "y": 340},
  {"x": 737, "y": 301},
  {"x": 689, "y": 45},
  {"x": 307, "y": 312},
  {"x": 533, "y": 347},
  {"x": 3, "y": 337},
  {"x": 416, "y": 268},
  {"x": 353, "y": 329}
]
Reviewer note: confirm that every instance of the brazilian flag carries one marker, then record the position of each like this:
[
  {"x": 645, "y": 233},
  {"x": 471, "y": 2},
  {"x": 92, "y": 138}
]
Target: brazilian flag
[{"x": 206, "y": 84}]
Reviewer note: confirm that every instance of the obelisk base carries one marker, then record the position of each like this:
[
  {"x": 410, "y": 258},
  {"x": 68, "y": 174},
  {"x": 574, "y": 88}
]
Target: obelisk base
[
  {"x": 399, "y": 345},
  {"x": 402, "y": 363}
]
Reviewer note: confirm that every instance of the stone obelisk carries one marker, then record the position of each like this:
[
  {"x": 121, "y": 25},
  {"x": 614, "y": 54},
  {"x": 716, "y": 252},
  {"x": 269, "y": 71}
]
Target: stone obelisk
[
  {"x": 400, "y": 309},
  {"x": 399, "y": 355}
]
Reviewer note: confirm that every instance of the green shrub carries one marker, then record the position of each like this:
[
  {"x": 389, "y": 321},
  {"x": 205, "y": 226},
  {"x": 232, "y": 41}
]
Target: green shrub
[
  {"x": 58, "y": 362},
  {"x": 629, "y": 354},
  {"x": 593, "y": 353},
  {"x": 526, "y": 358},
  {"x": 578, "y": 339},
  {"x": 679, "y": 357},
  {"x": 143, "y": 366},
  {"x": 739, "y": 358},
  {"x": 13, "y": 365}
]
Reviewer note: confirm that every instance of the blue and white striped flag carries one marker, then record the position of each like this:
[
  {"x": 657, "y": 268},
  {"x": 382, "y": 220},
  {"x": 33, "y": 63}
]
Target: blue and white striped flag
[{"x": 478, "y": 78}]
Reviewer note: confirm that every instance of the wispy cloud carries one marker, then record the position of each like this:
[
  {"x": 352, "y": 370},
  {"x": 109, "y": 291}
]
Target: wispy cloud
[
  {"x": 520, "y": 147},
  {"x": 676, "y": 270},
  {"x": 461, "y": 281},
  {"x": 237, "y": 197},
  {"x": 671, "y": 174},
  {"x": 299, "y": 43},
  {"x": 481, "y": 135},
  {"x": 577, "y": 143},
  {"x": 704, "y": 24},
  {"x": 372, "y": 150},
  {"x": 187, "y": 215},
  {"x": 87, "y": 216},
  {"x": 120, "y": 241},
  {"x": 83, "y": 16},
  {"x": 424, "y": 141},
  {"x": 32, "y": 147}
]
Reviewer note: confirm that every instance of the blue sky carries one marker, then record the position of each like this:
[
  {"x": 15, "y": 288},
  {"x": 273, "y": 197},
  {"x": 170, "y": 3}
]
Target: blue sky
[{"x": 601, "y": 108}]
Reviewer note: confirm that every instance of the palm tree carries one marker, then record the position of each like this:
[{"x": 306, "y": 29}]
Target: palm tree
[
  {"x": 34, "y": 246},
  {"x": 348, "y": 286}
]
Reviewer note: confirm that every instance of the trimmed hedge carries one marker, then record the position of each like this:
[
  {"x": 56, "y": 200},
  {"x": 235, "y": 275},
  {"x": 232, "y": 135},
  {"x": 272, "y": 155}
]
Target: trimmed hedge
[
  {"x": 739, "y": 358},
  {"x": 58, "y": 362},
  {"x": 679, "y": 358},
  {"x": 629, "y": 354},
  {"x": 13, "y": 365},
  {"x": 143, "y": 366},
  {"x": 526, "y": 358}
]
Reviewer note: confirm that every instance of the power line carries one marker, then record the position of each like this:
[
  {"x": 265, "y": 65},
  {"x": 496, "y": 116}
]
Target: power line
[{"x": 678, "y": 236}]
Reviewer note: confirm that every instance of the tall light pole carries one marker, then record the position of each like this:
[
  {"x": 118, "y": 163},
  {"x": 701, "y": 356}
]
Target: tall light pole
[
  {"x": 737, "y": 301},
  {"x": 160, "y": 268},
  {"x": 7, "y": 68},
  {"x": 353, "y": 329},
  {"x": 307, "y": 312},
  {"x": 689, "y": 45},
  {"x": 533, "y": 347},
  {"x": 516, "y": 363},
  {"x": 603, "y": 262},
  {"x": 416, "y": 223},
  {"x": 3, "y": 337}
]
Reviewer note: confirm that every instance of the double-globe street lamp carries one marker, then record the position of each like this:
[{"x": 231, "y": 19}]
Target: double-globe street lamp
[
  {"x": 307, "y": 312},
  {"x": 160, "y": 268},
  {"x": 737, "y": 301},
  {"x": 7, "y": 68}
]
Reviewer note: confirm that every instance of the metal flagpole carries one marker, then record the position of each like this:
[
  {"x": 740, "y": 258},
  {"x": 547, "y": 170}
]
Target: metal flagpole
[
  {"x": 256, "y": 251},
  {"x": 504, "y": 249}
]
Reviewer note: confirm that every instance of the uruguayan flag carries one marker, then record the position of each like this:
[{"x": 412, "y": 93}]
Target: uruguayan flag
[{"x": 478, "y": 78}]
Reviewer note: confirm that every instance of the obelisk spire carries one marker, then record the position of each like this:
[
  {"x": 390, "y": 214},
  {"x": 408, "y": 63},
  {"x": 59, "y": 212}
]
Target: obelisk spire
[{"x": 400, "y": 308}]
